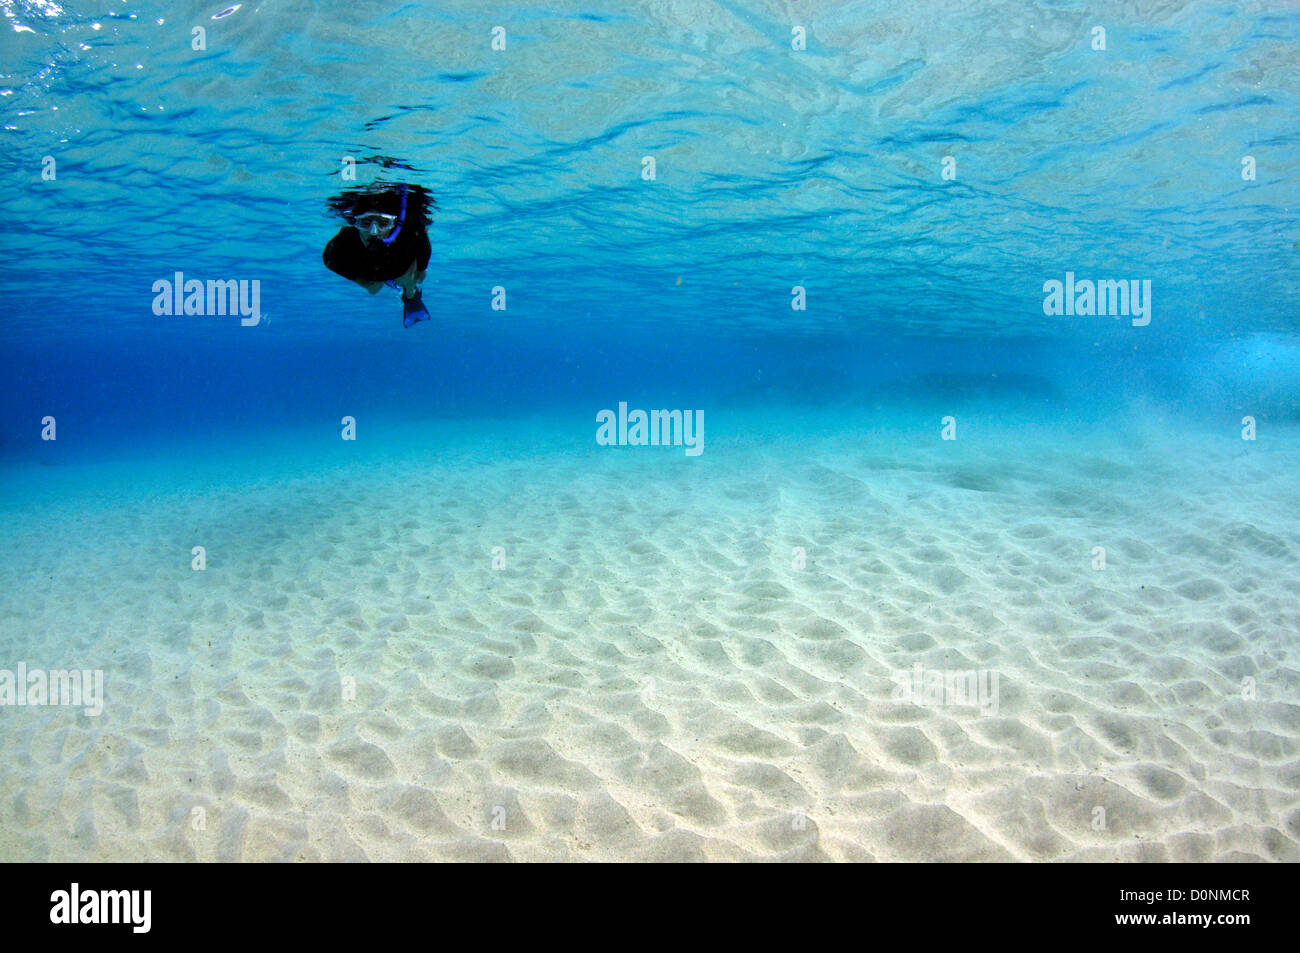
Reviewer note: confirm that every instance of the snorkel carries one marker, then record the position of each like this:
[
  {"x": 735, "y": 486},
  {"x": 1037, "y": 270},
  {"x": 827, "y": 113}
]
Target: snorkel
[{"x": 401, "y": 220}]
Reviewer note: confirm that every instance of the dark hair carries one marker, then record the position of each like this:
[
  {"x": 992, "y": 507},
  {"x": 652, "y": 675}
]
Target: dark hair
[{"x": 385, "y": 197}]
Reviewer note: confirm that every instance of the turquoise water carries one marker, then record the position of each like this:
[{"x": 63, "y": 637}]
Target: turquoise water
[{"x": 839, "y": 254}]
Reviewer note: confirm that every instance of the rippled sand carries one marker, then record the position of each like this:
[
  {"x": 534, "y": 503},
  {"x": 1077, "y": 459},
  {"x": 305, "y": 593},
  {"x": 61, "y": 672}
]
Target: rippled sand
[{"x": 649, "y": 676}]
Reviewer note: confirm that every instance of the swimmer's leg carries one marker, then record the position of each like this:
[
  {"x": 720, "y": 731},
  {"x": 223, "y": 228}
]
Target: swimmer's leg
[
  {"x": 413, "y": 309},
  {"x": 409, "y": 282}
]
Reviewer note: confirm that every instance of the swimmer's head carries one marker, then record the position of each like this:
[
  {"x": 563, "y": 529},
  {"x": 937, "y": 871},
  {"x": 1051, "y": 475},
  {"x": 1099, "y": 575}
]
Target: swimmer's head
[
  {"x": 379, "y": 211},
  {"x": 374, "y": 226}
]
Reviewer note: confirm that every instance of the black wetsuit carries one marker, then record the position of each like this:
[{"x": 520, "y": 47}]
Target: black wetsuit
[{"x": 349, "y": 256}]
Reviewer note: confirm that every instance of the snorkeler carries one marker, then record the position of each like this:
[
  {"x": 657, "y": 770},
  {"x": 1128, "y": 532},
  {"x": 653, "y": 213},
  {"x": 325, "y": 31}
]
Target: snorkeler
[{"x": 384, "y": 242}]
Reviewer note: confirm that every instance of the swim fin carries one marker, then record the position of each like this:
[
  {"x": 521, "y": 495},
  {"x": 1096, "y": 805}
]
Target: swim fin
[{"x": 414, "y": 311}]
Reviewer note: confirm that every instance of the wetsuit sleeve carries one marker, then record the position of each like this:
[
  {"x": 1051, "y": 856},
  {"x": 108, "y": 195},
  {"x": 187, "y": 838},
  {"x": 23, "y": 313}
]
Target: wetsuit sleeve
[
  {"x": 341, "y": 258},
  {"x": 330, "y": 256}
]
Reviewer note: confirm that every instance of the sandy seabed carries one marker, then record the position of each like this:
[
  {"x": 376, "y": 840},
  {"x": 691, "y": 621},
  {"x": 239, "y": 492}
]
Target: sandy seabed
[{"x": 651, "y": 676}]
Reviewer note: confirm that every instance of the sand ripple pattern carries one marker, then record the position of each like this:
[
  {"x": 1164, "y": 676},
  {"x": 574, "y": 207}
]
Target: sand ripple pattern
[{"x": 648, "y": 677}]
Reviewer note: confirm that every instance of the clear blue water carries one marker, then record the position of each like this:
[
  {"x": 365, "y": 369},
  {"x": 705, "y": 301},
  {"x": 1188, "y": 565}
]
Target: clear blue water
[
  {"x": 775, "y": 168},
  {"x": 820, "y": 168}
]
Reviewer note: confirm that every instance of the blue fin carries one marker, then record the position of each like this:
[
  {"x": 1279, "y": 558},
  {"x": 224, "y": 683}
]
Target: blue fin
[{"x": 414, "y": 311}]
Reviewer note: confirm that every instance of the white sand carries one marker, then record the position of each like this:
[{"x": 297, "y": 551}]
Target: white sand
[{"x": 649, "y": 678}]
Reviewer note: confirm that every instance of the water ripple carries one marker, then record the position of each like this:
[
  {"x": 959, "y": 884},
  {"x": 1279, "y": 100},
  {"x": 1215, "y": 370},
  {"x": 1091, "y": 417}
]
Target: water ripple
[{"x": 772, "y": 167}]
